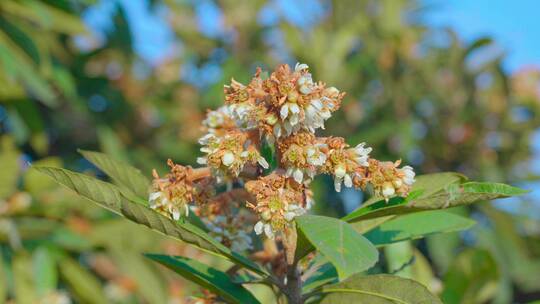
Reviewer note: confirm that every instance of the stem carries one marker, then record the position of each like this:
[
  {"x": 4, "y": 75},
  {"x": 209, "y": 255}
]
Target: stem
[
  {"x": 293, "y": 288},
  {"x": 289, "y": 242},
  {"x": 199, "y": 173}
]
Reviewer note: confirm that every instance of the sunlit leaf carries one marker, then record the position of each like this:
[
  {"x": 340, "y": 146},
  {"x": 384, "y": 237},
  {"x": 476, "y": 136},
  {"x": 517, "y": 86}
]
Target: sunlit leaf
[
  {"x": 417, "y": 225},
  {"x": 123, "y": 174},
  {"x": 452, "y": 196},
  {"x": 336, "y": 240},
  {"x": 109, "y": 196},
  {"x": 378, "y": 289},
  {"x": 45, "y": 272}
]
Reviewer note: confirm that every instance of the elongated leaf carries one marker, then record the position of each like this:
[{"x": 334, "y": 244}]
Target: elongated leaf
[
  {"x": 452, "y": 196},
  {"x": 432, "y": 183},
  {"x": 428, "y": 184},
  {"x": 83, "y": 284},
  {"x": 150, "y": 284},
  {"x": 3, "y": 282},
  {"x": 10, "y": 167},
  {"x": 417, "y": 225},
  {"x": 346, "y": 249},
  {"x": 207, "y": 277},
  {"x": 18, "y": 64},
  {"x": 379, "y": 289},
  {"x": 123, "y": 174},
  {"x": 23, "y": 279},
  {"x": 105, "y": 194},
  {"x": 109, "y": 196},
  {"x": 45, "y": 271}
]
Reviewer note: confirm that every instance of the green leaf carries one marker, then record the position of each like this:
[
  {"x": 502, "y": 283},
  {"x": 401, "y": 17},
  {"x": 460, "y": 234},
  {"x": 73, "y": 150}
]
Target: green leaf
[
  {"x": 472, "y": 278},
  {"x": 46, "y": 16},
  {"x": 367, "y": 225},
  {"x": 109, "y": 196},
  {"x": 23, "y": 279},
  {"x": 452, "y": 196},
  {"x": 10, "y": 167},
  {"x": 45, "y": 272},
  {"x": 83, "y": 284},
  {"x": 123, "y": 174},
  {"x": 417, "y": 225},
  {"x": 336, "y": 240},
  {"x": 105, "y": 194},
  {"x": 325, "y": 274},
  {"x": 3, "y": 282},
  {"x": 17, "y": 63},
  {"x": 378, "y": 289},
  {"x": 428, "y": 184},
  {"x": 34, "y": 182},
  {"x": 150, "y": 283},
  {"x": 207, "y": 277},
  {"x": 435, "y": 182}
]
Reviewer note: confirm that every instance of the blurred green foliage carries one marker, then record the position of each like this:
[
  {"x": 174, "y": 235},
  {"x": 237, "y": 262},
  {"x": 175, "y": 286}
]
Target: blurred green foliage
[{"x": 413, "y": 91}]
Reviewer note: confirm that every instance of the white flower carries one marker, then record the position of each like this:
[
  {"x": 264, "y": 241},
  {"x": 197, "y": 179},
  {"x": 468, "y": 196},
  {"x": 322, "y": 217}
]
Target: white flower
[
  {"x": 266, "y": 227},
  {"x": 315, "y": 157},
  {"x": 298, "y": 176},
  {"x": 258, "y": 227},
  {"x": 347, "y": 181},
  {"x": 362, "y": 154},
  {"x": 305, "y": 84},
  {"x": 309, "y": 202},
  {"x": 409, "y": 174},
  {"x": 300, "y": 66},
  {"x": 340, "y": 172},
  {"x": 227, "y": 159},
  {"x": 277, "y": 130},
  {"x": 175, "y": 212},
  {"x": 154, "y": 196},
  {"x": 337, "y": 184},
  {"x": 263, "y": 162},
  {"x": 293, "y": 109},
  {"x": 388, "y": 190},
  {"x": 159, "y": 201},
  {"x": 341, "y": 176},
  {"x": 293, "y": 211},
  {"x": 206, "y": 139},
  {"x": 268, "y": 231},
  {"x": 215, "y": 119}
]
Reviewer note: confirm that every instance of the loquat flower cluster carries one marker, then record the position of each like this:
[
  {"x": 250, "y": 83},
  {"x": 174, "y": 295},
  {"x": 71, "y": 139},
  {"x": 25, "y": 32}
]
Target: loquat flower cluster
[{"x": 282, "y": 111}]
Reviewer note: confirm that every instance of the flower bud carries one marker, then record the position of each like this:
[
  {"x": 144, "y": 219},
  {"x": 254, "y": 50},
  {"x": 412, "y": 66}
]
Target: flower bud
[
  {"x": 388, "y": 190},
  {"x": 331, "y": 91},
  {"x": 340, "y": 171},
  {"x": 227, "y": 158},
  {"x": 271, "y": 119}
]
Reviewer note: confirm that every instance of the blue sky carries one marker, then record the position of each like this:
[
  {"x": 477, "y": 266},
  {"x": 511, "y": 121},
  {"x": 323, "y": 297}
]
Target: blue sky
[{"x": 514, "y": 24}]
